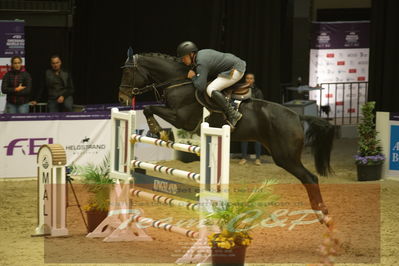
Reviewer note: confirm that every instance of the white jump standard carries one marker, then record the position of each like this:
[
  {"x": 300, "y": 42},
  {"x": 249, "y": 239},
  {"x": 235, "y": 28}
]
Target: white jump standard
[
  {"x": 51, "y": 187},
  {"x": 213, "y": 181}
]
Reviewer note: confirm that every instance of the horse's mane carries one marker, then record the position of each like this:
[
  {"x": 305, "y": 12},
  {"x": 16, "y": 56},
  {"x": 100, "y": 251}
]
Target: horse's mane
[{"x": 165, "y": 56}]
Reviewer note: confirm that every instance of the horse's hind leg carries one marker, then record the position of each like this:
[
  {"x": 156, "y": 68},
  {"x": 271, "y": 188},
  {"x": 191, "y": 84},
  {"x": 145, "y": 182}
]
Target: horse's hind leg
[{"x": 309, "y": 180}]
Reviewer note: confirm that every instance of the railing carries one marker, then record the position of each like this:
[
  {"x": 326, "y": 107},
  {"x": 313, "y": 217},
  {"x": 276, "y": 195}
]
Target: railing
[{"x": 340, "y": 102}]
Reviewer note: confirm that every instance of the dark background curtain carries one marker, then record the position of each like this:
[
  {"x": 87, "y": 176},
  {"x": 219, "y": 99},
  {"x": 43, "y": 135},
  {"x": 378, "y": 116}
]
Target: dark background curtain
[
  {"x": 99, "y": 43},
  {"x": 384, "y": 55}
]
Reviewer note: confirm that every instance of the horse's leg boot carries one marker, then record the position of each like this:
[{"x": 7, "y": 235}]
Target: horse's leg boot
[{"x": 233, "y": 116}]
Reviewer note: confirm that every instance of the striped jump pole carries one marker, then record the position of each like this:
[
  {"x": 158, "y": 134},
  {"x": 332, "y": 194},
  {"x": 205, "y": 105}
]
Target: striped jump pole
[
  {"x": 166, "y": 144},
  {"x": 165, "y": 170},
  {"x": 165, "y": 226},
  {"x": 164, "y": 200}
]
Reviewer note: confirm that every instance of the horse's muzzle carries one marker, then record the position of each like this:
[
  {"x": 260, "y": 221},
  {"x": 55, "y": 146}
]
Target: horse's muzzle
[{"x": 124, "y": 98}]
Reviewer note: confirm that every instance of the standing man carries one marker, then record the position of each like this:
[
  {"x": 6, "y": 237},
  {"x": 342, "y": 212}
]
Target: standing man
[
  {"x": 59, "y": 87},
  {"x": 256, "y": 93}
]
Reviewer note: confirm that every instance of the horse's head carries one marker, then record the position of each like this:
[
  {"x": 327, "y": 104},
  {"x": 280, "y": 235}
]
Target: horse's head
[
  {"x": 135, "y": 79},
  {"x": 148, "y": 72}
]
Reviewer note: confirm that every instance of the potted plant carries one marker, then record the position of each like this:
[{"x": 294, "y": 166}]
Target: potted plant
[
  {"x": 189, "y": 138},
  {"x": 229, "y": 244},
  {"x": 369, "y": 158},
  {"x": 97, "y": 182}
]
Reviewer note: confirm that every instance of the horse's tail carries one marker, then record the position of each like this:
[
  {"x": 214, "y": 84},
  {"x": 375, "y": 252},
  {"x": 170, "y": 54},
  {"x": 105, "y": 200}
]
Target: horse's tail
[{"x": 320, "y": 136}]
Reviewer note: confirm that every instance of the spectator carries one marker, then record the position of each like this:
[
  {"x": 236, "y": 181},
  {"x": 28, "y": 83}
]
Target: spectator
[
  {"x": 17, "y": 84},
  {"x": 256, "y": 93},
  {"x": 59, "y": 87}
]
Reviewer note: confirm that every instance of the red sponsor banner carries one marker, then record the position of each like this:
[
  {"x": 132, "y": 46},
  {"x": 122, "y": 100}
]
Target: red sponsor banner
[
  {"x": 3, "y": 71},
  {"x": 339, "y": 103},
  {"x": 341, "y": 63},
  {"x": 361, "y": 78},
  {"x": 329, "y": 95},
  {"x": 330, "y": 55},
  {"x": 351, "y": 110},
  {"x": 352, "y": 70}
]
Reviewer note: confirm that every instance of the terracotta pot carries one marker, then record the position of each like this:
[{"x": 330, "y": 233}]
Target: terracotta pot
[
  {"x": 231, "y": 257},
  {"x": 94, "y": 218},
  {"x": 369, "y": 172}
]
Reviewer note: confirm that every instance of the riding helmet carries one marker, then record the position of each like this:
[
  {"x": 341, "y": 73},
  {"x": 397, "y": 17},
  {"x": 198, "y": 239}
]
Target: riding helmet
[{"x": 185, "y": 48}]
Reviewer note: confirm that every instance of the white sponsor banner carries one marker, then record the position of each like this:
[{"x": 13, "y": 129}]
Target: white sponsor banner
[
  {"x": 346, "y": 66},
  {"x": 85, "y": 141},
  {"x": 339, "y": 61}
]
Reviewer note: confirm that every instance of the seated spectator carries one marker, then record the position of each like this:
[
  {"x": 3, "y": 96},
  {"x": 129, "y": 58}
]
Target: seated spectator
[
  {"x": 59, "y": 87},
  {"x": 17, "y": 85}
]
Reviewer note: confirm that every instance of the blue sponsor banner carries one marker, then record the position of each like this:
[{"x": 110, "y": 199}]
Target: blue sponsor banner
[{"x": 394, "y": 148}]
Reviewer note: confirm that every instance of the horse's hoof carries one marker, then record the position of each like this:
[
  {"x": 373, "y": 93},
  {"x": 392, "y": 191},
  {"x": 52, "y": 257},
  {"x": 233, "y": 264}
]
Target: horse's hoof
[
  {"x": 163, "y": 135},
  {"x": 328, "y": 221}
]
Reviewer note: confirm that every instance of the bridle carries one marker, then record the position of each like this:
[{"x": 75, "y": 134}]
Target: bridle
[{"x": 132, "y": 63}]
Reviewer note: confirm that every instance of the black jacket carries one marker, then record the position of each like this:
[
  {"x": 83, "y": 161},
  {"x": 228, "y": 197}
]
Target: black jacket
[
  {"x": 11, "y": 80},
  {"x": 256, "y": 92},
  {"x": 58, "y": 85}
]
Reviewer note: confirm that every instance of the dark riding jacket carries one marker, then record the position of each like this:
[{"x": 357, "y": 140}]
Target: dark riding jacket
[
  {"x": 11, "y": 80},
  {"x": 211, "y": 63}
]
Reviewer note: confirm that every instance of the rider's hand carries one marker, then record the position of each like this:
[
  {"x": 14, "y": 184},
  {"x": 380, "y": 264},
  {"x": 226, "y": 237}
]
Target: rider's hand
[{"x": 191, "y": 74}]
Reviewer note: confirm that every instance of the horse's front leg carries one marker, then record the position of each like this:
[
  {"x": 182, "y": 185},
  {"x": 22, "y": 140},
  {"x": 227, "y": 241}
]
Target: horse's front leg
[{"x": 165, "y": 113}]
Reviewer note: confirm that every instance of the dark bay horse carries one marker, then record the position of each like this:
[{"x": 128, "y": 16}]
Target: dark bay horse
[{"x": 278, "y": 128}]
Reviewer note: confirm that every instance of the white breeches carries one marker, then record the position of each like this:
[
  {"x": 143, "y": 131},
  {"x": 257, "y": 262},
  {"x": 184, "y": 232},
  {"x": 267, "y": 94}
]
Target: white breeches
[{"x": 221, "y": 83}]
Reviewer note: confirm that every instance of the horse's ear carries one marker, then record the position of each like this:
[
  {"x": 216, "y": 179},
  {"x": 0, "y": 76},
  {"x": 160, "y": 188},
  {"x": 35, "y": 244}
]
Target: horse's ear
[{"x": 130, "y": 52}]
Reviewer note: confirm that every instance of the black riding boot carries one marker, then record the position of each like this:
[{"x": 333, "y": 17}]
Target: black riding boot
[{"x": 233, "y": 116}]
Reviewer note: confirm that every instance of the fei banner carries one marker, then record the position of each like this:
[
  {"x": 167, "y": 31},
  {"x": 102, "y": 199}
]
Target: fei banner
[
  {"x": 85, "y": 136},
  {"x": 339, "y": 61},
  {"x": 12, "y": 42}
]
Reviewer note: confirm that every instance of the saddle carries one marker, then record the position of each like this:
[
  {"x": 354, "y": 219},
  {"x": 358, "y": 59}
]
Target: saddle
[{"x": 235, "y": 94}]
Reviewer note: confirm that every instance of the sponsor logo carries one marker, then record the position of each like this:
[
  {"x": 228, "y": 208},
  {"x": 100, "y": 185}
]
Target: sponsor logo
[
  {"x": 352, "y": 39},
  {"x": 352, "y": 70},
  {"x": 26, "y": 146},
  {"x": 352, "y": 55},
  {"x": 365, "y": 62},
  {"x": 341, "y": 63},
  {"x": 361, "y": 78},
  {"x": 45, "y": 162},
  {"x": 339, "y": 103},
  {"x": 329, "y": 95},
  {"x": 330, "y": 55},
  {"x": 323, "y": 40},
  {"x": 351, "y": 110},
  {"x": 364, "y": 54}
]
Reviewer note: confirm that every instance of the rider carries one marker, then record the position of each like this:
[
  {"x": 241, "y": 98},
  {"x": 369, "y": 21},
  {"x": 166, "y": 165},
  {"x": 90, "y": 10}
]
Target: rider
[{"x": 228, "y": 69}]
